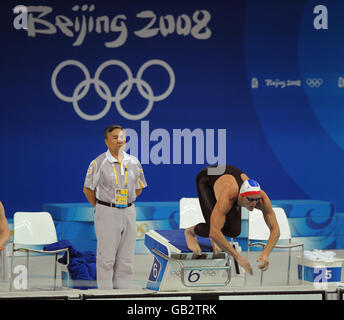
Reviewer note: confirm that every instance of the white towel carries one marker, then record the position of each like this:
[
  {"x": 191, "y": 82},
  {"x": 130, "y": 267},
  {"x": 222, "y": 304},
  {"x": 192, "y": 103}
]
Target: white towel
[{"x": 319, "y": 255}]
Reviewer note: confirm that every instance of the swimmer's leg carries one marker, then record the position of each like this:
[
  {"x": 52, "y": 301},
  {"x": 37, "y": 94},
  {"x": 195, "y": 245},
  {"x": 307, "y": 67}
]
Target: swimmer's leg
[{"x": 191, "y": 241}]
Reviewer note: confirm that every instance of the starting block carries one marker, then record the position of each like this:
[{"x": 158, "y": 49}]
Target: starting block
[{"x": 175, "y": 267}]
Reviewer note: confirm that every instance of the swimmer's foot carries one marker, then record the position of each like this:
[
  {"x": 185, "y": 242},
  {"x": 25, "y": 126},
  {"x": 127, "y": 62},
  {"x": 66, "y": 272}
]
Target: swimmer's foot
[
  {"x": 192, "y": 242},
  {"x": 216, "y": 248}
]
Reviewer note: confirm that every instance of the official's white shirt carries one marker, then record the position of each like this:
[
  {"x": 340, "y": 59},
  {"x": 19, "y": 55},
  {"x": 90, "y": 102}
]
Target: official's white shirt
[{"x": 101, "y": 176}]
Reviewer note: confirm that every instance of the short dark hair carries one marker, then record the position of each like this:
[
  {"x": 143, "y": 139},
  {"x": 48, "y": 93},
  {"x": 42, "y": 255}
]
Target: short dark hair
[{"x": 110, "y": 129}]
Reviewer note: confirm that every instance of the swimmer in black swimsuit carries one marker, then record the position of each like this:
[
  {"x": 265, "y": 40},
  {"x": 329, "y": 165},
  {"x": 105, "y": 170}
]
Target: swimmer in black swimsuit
[{"x": 221, "y": 198}]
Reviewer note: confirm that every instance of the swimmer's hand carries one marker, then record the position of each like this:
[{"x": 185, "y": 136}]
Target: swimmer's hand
[
  {"x": 264, "y": 260},
  {"x": 244, "y": 263}
]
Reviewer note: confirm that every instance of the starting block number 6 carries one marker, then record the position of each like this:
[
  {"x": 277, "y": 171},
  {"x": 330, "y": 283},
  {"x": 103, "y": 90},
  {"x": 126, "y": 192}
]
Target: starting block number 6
[
  {"x": 155, "y": 270},
  {"x": 193, "y": 276}
]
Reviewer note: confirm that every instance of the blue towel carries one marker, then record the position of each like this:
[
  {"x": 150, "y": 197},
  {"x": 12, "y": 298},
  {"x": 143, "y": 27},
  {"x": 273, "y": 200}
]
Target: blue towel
[{"x": 82, "y": 265}]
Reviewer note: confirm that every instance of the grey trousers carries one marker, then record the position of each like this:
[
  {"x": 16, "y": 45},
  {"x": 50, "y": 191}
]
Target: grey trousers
[{"x": 116, "y": 238}]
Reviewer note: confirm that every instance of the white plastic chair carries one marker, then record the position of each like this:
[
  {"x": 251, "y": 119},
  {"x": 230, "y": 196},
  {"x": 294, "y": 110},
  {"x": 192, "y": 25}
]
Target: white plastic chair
[
  {"x": 259, "y": 231},
  {"x": 190, "y": 213},
  {"x": 30, "y": 229}
]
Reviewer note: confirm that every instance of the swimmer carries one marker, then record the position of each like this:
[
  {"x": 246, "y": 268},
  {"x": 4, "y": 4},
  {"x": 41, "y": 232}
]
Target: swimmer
[{"x": 221, "y": 198}]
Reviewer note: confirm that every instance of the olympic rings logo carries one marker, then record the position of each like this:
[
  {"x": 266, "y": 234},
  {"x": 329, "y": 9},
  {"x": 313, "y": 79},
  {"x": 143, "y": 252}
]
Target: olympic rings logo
[
  {"x": 314, "y": 82},
  {"x": 104, "y": 92},
  {"x": 207, "y": 273},
  {"x": 211, "y": 273}
]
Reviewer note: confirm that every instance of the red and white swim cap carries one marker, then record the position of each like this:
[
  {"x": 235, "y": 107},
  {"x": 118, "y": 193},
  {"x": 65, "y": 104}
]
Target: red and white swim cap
[{"x": 249, "y": 187}]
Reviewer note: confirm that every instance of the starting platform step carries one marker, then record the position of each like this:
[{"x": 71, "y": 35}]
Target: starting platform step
[{"x": 175, "y": 267}]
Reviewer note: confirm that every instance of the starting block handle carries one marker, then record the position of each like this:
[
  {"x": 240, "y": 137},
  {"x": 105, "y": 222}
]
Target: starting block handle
[
  {"x": 183, "y": 269},
  {"x": 164, "y": 256}
]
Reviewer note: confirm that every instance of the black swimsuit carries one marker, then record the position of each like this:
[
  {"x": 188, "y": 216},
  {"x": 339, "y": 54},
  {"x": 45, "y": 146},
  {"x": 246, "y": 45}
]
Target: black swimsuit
[{"x": 205, "y": 188}]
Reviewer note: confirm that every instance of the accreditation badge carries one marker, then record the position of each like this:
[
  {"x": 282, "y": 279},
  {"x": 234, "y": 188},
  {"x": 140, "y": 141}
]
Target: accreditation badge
[{"x": 121, "y": 198}]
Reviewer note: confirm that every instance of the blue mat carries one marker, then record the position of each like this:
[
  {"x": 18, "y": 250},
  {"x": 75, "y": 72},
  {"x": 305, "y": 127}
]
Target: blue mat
[{"x": 177, "y": 239}]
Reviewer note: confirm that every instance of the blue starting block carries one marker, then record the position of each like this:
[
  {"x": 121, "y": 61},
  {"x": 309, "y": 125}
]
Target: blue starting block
[{"x": 175, "y": 267}]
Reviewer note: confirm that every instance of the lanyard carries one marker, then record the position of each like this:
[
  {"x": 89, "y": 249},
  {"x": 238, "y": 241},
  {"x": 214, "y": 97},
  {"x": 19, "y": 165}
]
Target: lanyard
[{"x": 125, "y": 176}]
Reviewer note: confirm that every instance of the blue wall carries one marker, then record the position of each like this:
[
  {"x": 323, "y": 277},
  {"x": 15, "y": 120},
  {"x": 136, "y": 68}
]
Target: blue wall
[{"x": 251, "y": 69}]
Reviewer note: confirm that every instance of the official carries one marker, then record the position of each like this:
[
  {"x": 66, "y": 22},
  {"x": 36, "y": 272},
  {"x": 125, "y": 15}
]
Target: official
[{"x": 113, "y": 181}]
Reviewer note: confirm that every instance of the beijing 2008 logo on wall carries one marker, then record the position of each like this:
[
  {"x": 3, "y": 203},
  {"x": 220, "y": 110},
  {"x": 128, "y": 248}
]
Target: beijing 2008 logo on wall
[{"x": 122, "y": 91}]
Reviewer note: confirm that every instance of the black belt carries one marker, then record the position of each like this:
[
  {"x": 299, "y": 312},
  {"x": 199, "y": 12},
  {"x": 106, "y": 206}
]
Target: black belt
[{"x": 112, "y": 204}]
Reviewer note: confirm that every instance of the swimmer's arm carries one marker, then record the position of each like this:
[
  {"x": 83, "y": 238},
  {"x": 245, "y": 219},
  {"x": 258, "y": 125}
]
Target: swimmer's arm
[
  {"x": 271, "y": 222},
  {"x": 217, "y": 221}
]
